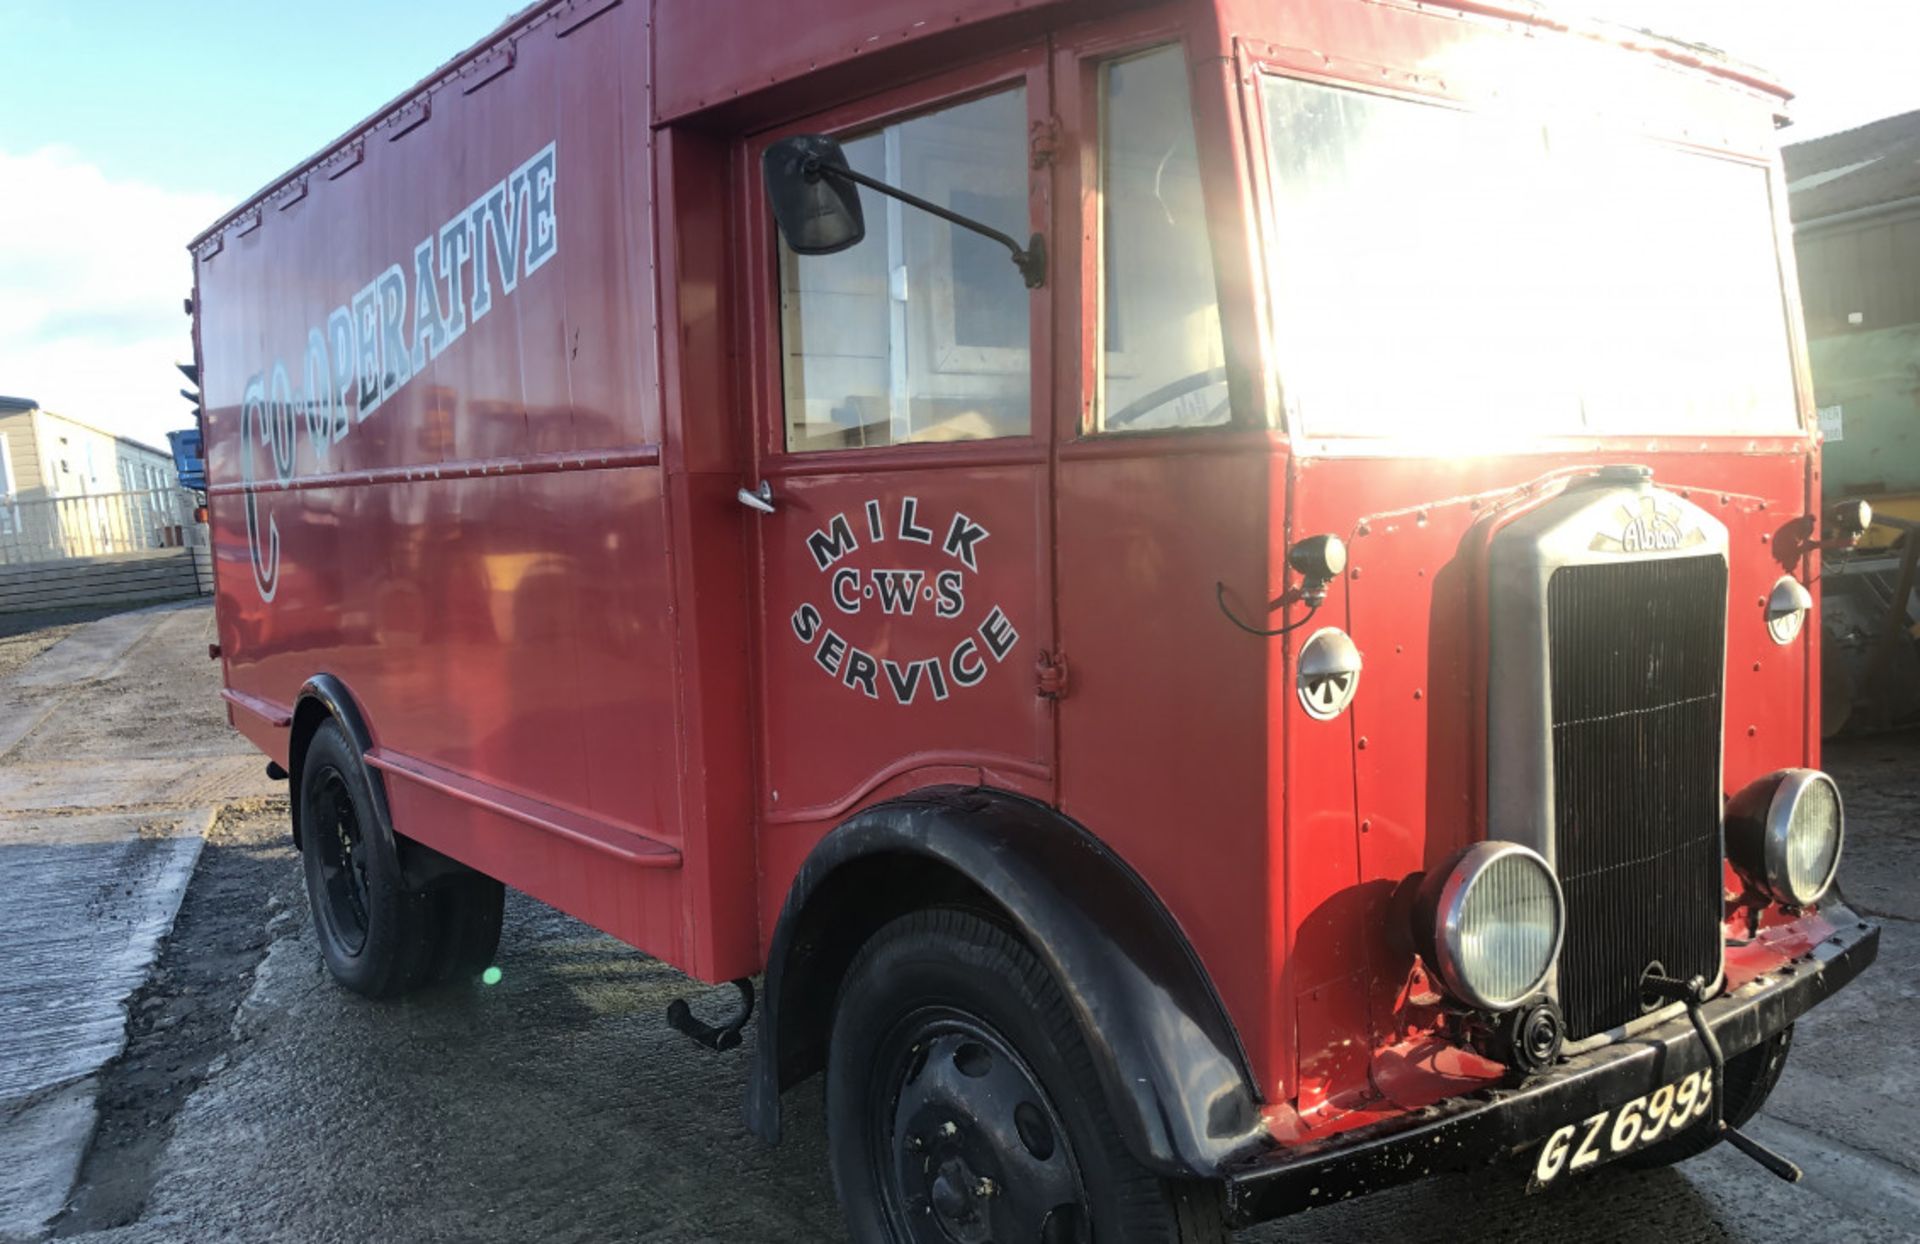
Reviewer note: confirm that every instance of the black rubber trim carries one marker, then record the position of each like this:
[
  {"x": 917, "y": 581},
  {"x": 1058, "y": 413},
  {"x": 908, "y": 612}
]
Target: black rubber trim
[
  {"x": 339, "y": 703},
  {"x": 1473, "y": 1131}
]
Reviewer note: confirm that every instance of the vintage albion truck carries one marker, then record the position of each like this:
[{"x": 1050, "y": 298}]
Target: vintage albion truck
[{"x": 1212, "y": 595}]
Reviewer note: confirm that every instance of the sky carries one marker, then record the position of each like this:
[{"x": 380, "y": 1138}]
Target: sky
[{"x": 127, "y": 126}]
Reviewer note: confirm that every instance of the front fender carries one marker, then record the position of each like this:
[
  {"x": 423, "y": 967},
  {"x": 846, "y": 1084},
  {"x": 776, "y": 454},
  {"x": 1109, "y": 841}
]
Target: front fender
[{"x": 1166, "y": 1054}]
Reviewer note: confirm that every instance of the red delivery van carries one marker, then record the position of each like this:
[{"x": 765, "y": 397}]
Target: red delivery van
[{"x": 1211, "y": 596}]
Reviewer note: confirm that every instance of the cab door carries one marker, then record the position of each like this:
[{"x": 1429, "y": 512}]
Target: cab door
[{"x": 902, "y": 448}]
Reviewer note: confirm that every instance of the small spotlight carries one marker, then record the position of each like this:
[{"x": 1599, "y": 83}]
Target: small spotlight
[{"x": 490, "y": 977}]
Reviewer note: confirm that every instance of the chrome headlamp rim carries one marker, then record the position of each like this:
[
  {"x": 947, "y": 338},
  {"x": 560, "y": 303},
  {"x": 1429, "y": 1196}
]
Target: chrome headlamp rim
[
  {"x": 1793, "y": 786},
  {"x": 1467, "y": 870}
]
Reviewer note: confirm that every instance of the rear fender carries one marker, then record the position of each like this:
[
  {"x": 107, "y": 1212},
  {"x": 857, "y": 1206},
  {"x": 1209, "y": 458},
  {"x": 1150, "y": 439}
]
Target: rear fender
[{"x": 325, "y": 697}]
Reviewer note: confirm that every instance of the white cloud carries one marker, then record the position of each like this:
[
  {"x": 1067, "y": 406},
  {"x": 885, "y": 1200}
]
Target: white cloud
[{"x": 92, "y": 273}]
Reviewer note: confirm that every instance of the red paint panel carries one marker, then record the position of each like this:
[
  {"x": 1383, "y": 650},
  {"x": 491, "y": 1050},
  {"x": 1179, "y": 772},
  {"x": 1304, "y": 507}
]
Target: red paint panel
[
  {"x": 1329, "y": 931},
  {"x": 480, "y": 555},
  {"x": 917, "y": 646},
  {"x": 1413, "y": 590},
  {"x": 1779, "y": 944},
  {"x": 904, "y": 592},
  {"x": 1494, "y": 52},
  {"x": 799, "y": 38},
  {"x": 633, "y": 900},
  {"x": 896, "y": 664},
  {"x": 713, "y": 674},
  {"x": 1164, "y": 733}
]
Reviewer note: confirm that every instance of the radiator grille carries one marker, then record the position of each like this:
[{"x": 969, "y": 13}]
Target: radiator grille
[{"x": 1637, "y": 652}]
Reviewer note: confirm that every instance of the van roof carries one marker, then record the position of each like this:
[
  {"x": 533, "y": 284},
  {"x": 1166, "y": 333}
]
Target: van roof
[{"x": 730, "y": 78}]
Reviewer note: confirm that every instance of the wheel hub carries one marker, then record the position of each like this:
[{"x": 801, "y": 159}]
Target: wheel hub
[
  {"x": 952, "y": 1195},
  {"x": 979, "y": 1153}
]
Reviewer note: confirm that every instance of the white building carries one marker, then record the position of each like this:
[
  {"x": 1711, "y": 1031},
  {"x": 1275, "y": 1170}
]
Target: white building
[
  {"x": 47, "y": 455},
  {"x": 68, "y": 489}
]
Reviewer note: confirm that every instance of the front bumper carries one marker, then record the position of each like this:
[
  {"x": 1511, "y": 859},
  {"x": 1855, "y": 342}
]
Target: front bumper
[{"x": 1480, "y": 1128}]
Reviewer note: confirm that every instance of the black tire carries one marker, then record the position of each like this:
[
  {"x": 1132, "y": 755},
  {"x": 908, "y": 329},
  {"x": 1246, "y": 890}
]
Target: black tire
[
  {"x": 378, "y": 937},
  {"x": 471, "y": 906},
  {"x": 962, "y": 1103},
  {"x": 1750, "y": 1080}
]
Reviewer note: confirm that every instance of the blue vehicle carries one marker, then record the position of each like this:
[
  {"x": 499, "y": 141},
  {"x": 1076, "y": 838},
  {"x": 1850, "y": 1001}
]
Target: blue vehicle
[{"x": 189, "y": 459}]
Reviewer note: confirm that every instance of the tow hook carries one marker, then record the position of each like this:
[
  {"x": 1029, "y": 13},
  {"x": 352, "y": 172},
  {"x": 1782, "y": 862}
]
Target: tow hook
[
  {"x": 1694, "y": 994},
  {"x": 726, "y": 1036}
]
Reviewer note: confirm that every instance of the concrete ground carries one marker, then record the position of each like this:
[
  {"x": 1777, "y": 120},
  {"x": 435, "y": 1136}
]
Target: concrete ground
[
  {"x": 257, "y": 1101},
  {"x": 103, "y": 808}
]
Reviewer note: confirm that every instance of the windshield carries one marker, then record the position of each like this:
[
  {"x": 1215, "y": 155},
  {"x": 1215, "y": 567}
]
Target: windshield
[{"x": 1448, "y": 274}]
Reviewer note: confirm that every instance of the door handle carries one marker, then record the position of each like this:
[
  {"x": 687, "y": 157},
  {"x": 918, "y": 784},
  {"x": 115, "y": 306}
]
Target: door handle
[{"x": 760, "y": 499}]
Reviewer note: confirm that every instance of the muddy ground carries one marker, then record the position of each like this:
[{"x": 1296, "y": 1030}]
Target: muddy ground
[{"x": 257, "y": 1101}]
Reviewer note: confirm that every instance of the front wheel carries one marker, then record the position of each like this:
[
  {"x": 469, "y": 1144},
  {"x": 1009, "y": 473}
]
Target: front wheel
[{"x": 962, "y": 1104}]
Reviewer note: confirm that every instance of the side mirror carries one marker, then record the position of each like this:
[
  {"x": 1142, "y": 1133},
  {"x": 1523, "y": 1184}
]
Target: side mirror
[{"x": 816, "y": 214}]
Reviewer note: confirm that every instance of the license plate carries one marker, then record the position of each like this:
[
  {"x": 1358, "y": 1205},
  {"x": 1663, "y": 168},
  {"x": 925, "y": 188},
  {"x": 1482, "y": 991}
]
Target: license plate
[{"x": 1633, "y": 1125}]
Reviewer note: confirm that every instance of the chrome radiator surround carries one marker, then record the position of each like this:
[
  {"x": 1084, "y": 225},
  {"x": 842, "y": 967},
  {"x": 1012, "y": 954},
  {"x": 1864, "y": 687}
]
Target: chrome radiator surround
[{"x": 1615, "y": 516}]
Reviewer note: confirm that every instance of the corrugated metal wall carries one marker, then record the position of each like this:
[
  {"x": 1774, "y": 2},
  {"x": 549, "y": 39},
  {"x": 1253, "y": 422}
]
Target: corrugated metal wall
[
  {"x": 1860, "y": 282},
  {"x": 1866, "y": 267}
]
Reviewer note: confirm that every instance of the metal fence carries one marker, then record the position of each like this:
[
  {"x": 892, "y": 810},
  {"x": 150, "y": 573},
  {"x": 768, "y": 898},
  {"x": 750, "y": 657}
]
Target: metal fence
[{"x": 55, "y": 528}]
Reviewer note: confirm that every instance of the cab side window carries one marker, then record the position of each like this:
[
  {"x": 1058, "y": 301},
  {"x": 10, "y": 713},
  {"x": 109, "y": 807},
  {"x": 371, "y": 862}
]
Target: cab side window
[
  {"x": 1161, "y": 363},
  {"x": 919, "y": 333}
]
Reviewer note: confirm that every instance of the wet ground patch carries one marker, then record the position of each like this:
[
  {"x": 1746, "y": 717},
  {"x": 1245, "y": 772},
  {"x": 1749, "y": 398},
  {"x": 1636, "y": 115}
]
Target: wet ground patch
[{"x": 180, "y": 1025}]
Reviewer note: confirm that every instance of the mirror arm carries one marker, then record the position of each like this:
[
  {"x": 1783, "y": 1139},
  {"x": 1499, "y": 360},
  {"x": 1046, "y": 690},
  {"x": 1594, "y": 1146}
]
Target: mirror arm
[{"x": 1032, "y": 261}]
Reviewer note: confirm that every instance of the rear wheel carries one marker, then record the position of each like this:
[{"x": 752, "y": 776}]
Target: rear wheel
[
  {"x": 962, "y": 1104},
  {"x": 1750, "y": 1080},
  {"x": 376, "y": 935},
  {"x": 379, "y": 936}
]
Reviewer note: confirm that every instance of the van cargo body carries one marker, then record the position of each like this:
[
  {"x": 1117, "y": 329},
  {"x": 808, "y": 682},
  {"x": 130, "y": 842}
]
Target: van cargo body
[{"x": 1315, "y": 637}]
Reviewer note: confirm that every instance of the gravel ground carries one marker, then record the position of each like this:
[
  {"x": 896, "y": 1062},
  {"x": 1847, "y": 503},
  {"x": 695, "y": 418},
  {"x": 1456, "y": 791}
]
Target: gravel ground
[{"x": 257, "y": 1101}]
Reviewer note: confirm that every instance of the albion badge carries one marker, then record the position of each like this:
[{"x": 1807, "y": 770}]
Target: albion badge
[{"x": 1652, "y": 525}]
